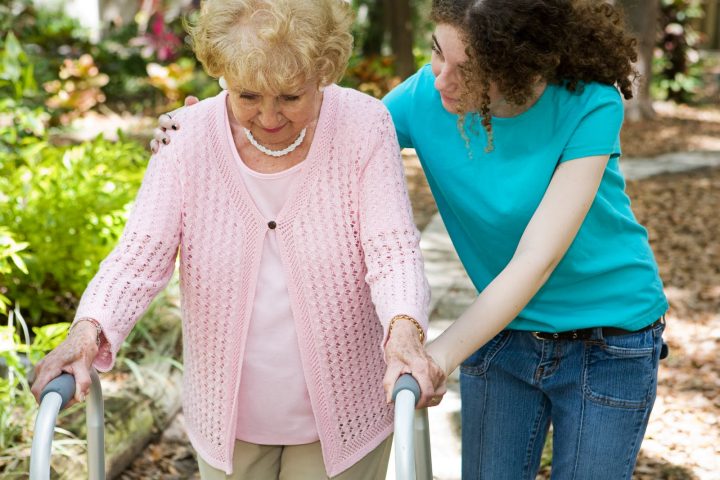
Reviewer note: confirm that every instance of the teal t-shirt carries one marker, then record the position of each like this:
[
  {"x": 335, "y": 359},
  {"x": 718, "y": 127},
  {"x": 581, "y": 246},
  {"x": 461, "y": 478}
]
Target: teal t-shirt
[{"x": 608, "y": 277}]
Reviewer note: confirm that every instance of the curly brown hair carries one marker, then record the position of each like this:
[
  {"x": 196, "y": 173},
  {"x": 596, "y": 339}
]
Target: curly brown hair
[{"x": 515, "y": 43}]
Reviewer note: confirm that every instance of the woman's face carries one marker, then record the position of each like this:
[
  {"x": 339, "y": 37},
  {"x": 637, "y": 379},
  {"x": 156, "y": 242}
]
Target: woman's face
[
  {"x": 275, "y": 119},
  {"x": 448, "y": 53}
]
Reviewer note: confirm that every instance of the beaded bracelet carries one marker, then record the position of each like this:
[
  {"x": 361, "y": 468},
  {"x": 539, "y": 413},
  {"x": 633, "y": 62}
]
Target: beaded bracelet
[
  {"x": 94, "y": 322},
  {"x": 419, "y": 328}
]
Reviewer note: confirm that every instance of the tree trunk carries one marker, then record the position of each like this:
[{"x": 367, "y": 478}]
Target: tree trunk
[
  {"x": 375, "y": 32},
  {"x": 401, "y": 35},
  {"x": 642, "y": 17}
]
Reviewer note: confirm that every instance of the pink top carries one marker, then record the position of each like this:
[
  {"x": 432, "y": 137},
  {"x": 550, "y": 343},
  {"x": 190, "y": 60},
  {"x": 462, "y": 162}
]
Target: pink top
[
  {"x": 349, "y": 249},
  {"x": 273, "y": 402}
]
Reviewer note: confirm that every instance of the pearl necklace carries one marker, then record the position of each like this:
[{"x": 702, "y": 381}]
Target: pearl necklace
[{"x": 275, "y": 153}]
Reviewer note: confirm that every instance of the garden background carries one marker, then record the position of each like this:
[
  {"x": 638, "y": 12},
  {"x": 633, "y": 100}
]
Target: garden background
[{"x": 81, "y": 85}]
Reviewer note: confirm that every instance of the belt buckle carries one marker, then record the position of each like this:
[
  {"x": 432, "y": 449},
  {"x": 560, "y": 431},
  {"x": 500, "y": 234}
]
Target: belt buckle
[
  {"x": 569, "y": 335},
  {"x": 546, "y": 335}
]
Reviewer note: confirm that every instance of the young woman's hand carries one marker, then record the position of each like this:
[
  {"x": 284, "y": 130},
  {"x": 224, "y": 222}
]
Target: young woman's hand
[
  {"x": 405, "y": 354},
  {"x": 74, "y": 356},
  {"x": 167, "y": 122}
]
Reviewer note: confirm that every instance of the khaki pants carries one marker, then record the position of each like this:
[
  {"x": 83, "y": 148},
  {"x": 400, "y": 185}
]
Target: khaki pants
[{"x": 295, "y": 462}]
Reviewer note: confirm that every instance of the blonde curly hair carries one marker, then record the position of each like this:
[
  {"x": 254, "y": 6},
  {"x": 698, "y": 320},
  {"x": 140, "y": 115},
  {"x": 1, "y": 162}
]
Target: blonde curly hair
[{"x": 273, "y": 45}]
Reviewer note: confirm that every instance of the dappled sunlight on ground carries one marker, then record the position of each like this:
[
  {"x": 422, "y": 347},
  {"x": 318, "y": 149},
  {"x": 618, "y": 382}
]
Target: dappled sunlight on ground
[
  {"x": 685, "y": 425},
  {"x": 677, "y": 128},
  {"x": 681, "y": 214}
]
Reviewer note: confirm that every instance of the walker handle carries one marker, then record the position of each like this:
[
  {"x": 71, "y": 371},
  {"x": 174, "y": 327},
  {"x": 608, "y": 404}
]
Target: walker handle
[
  {"x": 54, "y": 397},
  {"x": 64, "y": 385},
  {"x": 412, "y": 440},
  {"x": 407, "y": 382}
]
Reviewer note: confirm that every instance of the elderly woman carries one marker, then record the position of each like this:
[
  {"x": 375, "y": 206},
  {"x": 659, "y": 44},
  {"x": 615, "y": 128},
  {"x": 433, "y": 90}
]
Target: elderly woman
[{"x": 299, "y": 259}]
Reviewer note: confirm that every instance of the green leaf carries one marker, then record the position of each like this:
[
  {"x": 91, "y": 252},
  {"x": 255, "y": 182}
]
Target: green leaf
[{"x": 19, "y": 263}]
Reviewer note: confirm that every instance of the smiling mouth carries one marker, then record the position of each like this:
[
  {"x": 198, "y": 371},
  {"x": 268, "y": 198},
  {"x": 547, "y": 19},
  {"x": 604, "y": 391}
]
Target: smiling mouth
[{"x": 273, "y": 130}]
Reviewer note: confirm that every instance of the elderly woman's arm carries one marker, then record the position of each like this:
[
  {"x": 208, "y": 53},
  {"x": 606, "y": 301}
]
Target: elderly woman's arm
[
  {"x": 395, "y": 270},
  {"x": 128, "y": 279}
]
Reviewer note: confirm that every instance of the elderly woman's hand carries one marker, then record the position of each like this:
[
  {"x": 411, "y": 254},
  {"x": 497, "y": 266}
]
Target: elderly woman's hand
[
  {"x": 167, "y": 122},
  {"x": 405, "y": 354},
  {"x": 75, "y": 356}
]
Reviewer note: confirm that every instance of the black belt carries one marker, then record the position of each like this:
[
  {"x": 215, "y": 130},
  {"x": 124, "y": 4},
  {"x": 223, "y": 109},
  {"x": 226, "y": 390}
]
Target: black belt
[{"x": 587, "y": 333}]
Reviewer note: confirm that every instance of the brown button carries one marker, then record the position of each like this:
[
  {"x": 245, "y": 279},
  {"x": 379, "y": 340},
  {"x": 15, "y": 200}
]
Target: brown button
[{"x": 272, "y": 225}]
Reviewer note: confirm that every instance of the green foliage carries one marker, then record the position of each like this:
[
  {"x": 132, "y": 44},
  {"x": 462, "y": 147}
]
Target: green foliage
[
  {"x": 68, "y": 204},
  {"x": 11, "y": 258},
  {"x": 677, "y": 66},
  {"x": 17, "y": 79},
  {"x": 127, "y": 88},
  {"x": 20, "y": 127},
  {"x": 51, "y": 39},
  {"x": 16, "y": 357},
  {"x": 48, "y": 35}
]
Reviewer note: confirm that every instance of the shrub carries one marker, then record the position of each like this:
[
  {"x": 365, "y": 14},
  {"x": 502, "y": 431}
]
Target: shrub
[
  {"x": 78, "y": 89},
  {"x": 68, "y": 204},
  {"x": 16, "y": 356},
  {"x": 374, "y": 75}
]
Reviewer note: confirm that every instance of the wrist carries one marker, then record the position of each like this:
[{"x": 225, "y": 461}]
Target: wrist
[
  {"x": 86, "y": 328},
  {"x": 441, "y": 360},
  {"x": 403, "y": 326},
  {"x": 404, "y": 329}
]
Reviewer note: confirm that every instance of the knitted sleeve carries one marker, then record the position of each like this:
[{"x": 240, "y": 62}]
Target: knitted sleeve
[
  {"x": 143, "y": 261},
  {"x": 390, "y": 239}
]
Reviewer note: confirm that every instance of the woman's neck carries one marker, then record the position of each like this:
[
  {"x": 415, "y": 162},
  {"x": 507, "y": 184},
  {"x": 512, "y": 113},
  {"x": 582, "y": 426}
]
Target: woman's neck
[
  {"x": 262, "y": 163},
  {"x": 503, "y": 108}
]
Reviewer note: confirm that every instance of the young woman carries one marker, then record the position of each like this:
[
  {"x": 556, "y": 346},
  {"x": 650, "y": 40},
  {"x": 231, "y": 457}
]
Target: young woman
[{"x": 516, "y": 123}]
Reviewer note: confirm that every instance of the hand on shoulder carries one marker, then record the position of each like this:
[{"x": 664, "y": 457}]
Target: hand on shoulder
[{"x": 167, "y": 123}]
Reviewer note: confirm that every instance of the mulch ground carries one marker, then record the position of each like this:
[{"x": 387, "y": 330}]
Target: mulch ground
[
  {"x": 676, "y": 128},
  {"x": 680, "y": 212}
]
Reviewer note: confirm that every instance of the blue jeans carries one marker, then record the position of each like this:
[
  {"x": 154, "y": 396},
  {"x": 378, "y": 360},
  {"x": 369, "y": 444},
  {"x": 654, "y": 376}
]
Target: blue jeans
[{"x": 598, "y": 394}]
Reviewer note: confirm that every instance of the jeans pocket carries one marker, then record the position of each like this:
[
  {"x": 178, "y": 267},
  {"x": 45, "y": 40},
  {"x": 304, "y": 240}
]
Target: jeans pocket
[
  {"x": 477, "y": 363},
  {"x": 622, "y": 370}
]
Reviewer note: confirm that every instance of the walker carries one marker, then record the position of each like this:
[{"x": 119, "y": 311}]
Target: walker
[{"x": 412, "y": 441}]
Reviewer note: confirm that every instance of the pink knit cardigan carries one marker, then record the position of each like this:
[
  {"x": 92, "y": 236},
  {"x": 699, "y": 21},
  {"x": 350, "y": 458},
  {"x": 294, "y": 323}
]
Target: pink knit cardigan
[{"x": 351, "y": 256}]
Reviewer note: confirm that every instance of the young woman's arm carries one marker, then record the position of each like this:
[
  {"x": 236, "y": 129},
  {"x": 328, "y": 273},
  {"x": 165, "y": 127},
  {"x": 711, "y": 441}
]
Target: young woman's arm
[{"x": 543, "y": 244}]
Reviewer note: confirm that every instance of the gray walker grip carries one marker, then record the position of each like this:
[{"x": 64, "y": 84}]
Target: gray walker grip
[
  {"x": 64, "y": 385},
  {"x": 53, "y": 398},
  {"x": 407, "y": 382},
  {"x": 412, "y": 440}
]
